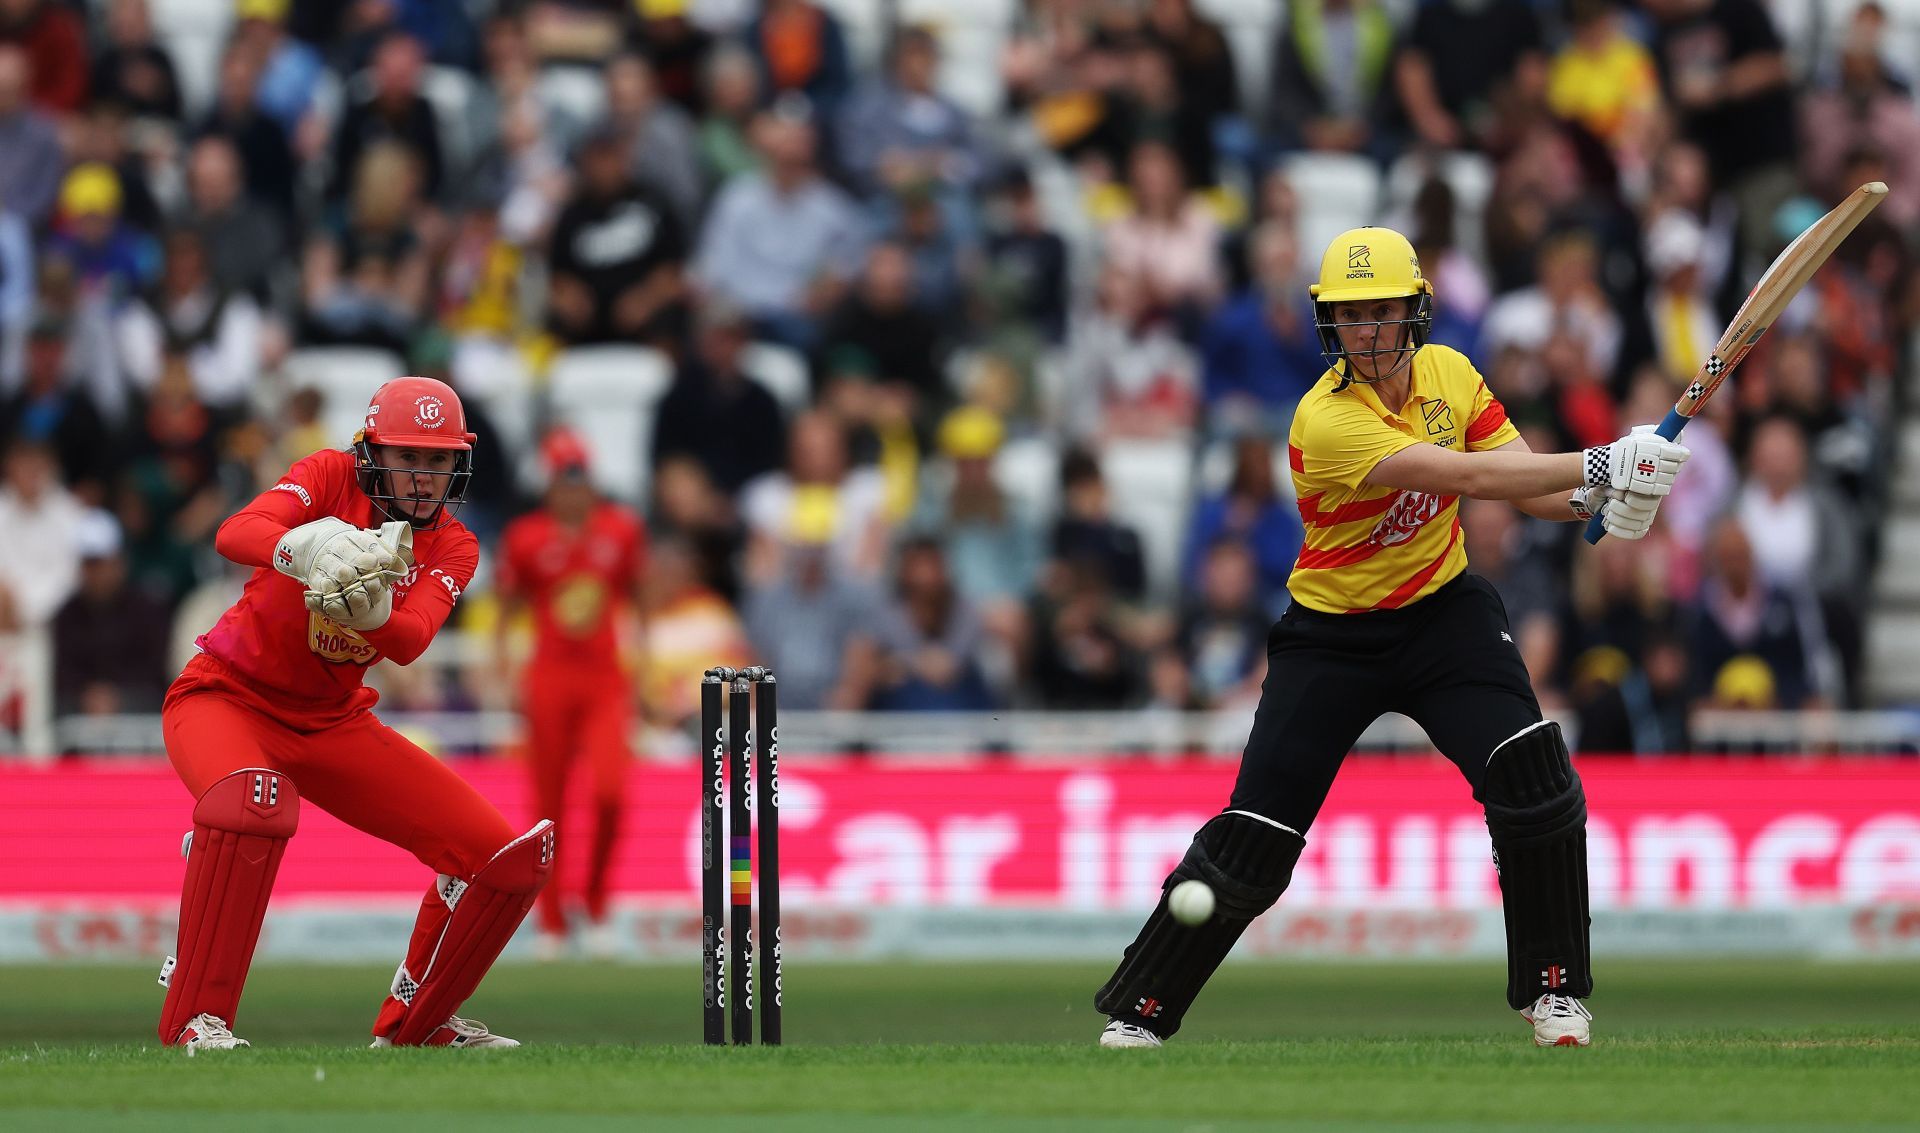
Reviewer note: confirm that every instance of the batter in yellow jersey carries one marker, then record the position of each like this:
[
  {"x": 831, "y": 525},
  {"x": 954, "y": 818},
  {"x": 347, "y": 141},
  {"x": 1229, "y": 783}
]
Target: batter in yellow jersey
[
  {"x": 1387, "y": 618},
  {"x": 1370, "y": 547}
]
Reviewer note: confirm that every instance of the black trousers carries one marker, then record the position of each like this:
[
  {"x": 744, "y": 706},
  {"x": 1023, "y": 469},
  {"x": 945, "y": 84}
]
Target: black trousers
[{"x": 1448, "y": 661}]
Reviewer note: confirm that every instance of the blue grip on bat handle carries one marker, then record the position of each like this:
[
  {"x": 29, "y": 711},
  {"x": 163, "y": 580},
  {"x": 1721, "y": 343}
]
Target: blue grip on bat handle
[{"x": 1668, "y": 429}]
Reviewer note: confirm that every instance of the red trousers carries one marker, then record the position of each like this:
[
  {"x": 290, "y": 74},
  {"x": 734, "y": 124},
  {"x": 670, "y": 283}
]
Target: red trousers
[
  {"x": 576, "y": 717},
  {"x": 359, "y": 770}
]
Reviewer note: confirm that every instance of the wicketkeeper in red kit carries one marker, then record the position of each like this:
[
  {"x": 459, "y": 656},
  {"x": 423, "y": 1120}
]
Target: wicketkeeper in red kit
[
  {"x": 358, "y": 557},
  {"x": 576, "y": 561}
]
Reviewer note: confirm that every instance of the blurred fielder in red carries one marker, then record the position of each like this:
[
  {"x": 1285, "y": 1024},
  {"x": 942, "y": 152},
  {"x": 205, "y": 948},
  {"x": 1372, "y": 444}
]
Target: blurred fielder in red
[
  {"x": 359, "y": 557},
  {"x": 576, "y": 562}
]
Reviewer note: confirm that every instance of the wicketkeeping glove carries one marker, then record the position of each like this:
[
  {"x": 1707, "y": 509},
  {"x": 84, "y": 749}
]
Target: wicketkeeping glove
[{"x": 356, "y": 592}]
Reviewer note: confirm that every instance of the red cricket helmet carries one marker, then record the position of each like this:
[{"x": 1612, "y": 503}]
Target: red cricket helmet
[
  {"x": 417, "y": 413},
  {"x": 564, "y": 453}
]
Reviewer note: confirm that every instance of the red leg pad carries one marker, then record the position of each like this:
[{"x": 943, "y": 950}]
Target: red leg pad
[
  {"x": 240, "y": 829},
  {"x": 484, "y": 919}
]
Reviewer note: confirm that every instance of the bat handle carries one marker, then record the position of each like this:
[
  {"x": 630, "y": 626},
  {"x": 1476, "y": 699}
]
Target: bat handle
[{"x": 1669, "y": 429}]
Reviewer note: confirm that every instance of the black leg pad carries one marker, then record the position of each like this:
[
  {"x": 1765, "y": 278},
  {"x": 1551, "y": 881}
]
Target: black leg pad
[
  {"x": 1247, "y": 860},
  {"x": 1537, "y": 814}
]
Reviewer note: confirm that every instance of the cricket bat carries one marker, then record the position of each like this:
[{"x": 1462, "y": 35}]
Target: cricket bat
[{"x": 1782, "y": 280}]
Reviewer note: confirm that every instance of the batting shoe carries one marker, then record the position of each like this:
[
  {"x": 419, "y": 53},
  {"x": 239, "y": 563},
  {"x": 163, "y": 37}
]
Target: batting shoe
[
  {"x": 459, "y": 1032},
  {"x": 1559, "y": 1020},
  {"x": 208, "y": 1032},
  {"x": 1122, "y": 1035}
]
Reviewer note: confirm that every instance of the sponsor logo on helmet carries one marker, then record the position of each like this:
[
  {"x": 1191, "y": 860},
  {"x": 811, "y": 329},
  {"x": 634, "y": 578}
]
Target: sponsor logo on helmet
[
  {"x": 1359, "y": 261},
  {"x": 372, "y": 412},
  {"x": 428, "y": 413}
]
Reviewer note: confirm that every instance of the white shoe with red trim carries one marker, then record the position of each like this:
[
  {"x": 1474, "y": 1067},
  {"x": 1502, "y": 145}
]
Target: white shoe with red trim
[
  {"x": 1559, "y": 1020},
  {"x": 1121, "y": 1035},
  {"x": 208, "y": 1032},
  {"x": 468, "y": 1033}
]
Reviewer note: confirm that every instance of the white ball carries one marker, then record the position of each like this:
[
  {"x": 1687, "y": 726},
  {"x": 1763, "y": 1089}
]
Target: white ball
[{"x": 1191, "y": 902}]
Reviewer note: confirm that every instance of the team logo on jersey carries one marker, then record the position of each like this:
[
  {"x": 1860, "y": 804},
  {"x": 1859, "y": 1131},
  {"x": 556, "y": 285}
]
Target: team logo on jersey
[
  {"x": 1439, "y": 417},
  {"x": 428, "y": 413}
]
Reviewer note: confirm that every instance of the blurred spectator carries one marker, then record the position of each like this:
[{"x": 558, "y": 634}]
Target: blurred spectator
[
  {"x": 1707, "y": 488},
  {"x": 1462, "y": 292},
  {"x": 1081, "y": 657},
  {"x": 217, "y": 329},
  {"x": 1723, "y": 67},
  {"x": 1537, "y": 189},
  {"x": 1223, "y": 631},
  {"x": 943, "y": 255},
  {"x": 714, "y": 412},
  {"x": 364, "y": 280},
  {"x": 900, "y": 132},
  {"x": 1330, "y": 66},
  {"x": 241, "y": 238},
  {"x": 1516, "y": 553},
  {"x": 40, "y": 556},
  {"x": 900, "y": 335},
  {"x": 1260, "y": 351},
  {"x": 802, "y": 50},
  {"x": 659, "y": 135},
  {"x": 1250, "y": 512},
  {"x": 690, "y": 626},
  {"x": 1127, "y": 372},
  {"x": 263, "y": 144},
  {"x": 17, "y": 287},
  {"x": 1745, "y": 682},
  {"x": 1643, "y": 709},
  {"x": 30, "y": 158},
  {"x": 287, "y": 71},
  {"x": 1086, "y": 537},
  {"x": 678, "y": 48},
  {"x": 50, "y": 408},
  {"x": 393, "y": 112},
  {"x": 101, "y": 134},
  {"x": 1793, "y": 383},
  {"x": 1169, "y": 241},
  {"x": 1203, "y": 67},
  {"x": 1862, "y": 108},
  {"x": 521, "y": 175},
  {"x": 1566, "y": 302},
  {"x": 731, "y": 85},
  {"x": 1618, "y": 599},
  {"x": 55, "y": 40},
  {"x": 992, "y": 545},
  {"x": 169, "y": 500},
  {"x": 813, "y": 623},
  {"x": 817, "y": 501},
  {"x": 1151, "y": 106},
  {"x": 133, "y": 69},
  {"x": 1603, "y": 80},
  {"x": 1741, "y": 614},
  {"x": 781, "y": 241},
  {"x": 1025, "y": 279},
  {"x": 109, "y": 639},
  {"x": 1467, "y": 69},
  {"x": 686, "y": 503},
  {"x": 929, "y": 639},
  {"x": 1679, "y": 309},
  {"x": 615, "y": 261},
  {"x": 1805, "y": 539},
  {"x": 110, "y": 259}
]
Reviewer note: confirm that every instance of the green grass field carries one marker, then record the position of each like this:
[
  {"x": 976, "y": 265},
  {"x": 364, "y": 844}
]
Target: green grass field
[{"x": 1713, "y": 1045}]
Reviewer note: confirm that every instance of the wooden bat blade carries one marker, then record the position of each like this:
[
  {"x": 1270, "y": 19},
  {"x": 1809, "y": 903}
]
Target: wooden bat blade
[{"x": 1783, "y": 279}]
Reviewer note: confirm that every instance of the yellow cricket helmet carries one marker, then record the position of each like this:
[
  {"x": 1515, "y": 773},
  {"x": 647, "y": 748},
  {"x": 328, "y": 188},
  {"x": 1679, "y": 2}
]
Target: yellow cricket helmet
[{"x": 1363, "y": 264}]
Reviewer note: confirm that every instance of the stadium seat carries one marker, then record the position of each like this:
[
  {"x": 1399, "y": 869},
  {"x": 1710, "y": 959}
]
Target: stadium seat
[
  {"x": 608, "y": 394},
  {"x": 865, "y": 25},
  {"x": 193, "y": 33},
  {"x": 346, "y": 377},
  {"x": 1336, "y": 192},
  {"x": 451, "y": 91},
  {"x": 783, "y": 370},
  {"x": 1150, "y": 488}
]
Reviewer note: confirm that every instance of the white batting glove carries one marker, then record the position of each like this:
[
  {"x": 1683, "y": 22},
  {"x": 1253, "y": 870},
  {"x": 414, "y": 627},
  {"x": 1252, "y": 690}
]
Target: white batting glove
[
  {"x": 1642, "y": 461},
  {"x": 1623, "y": 515}
]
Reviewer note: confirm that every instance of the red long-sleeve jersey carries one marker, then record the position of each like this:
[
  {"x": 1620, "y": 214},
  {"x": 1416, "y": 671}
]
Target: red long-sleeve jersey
[{"x": 310, "y": 666}]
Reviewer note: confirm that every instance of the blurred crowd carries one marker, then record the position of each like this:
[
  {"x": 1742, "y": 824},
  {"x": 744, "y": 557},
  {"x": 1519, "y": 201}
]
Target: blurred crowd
[{"x": 1049, "y": 300}]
